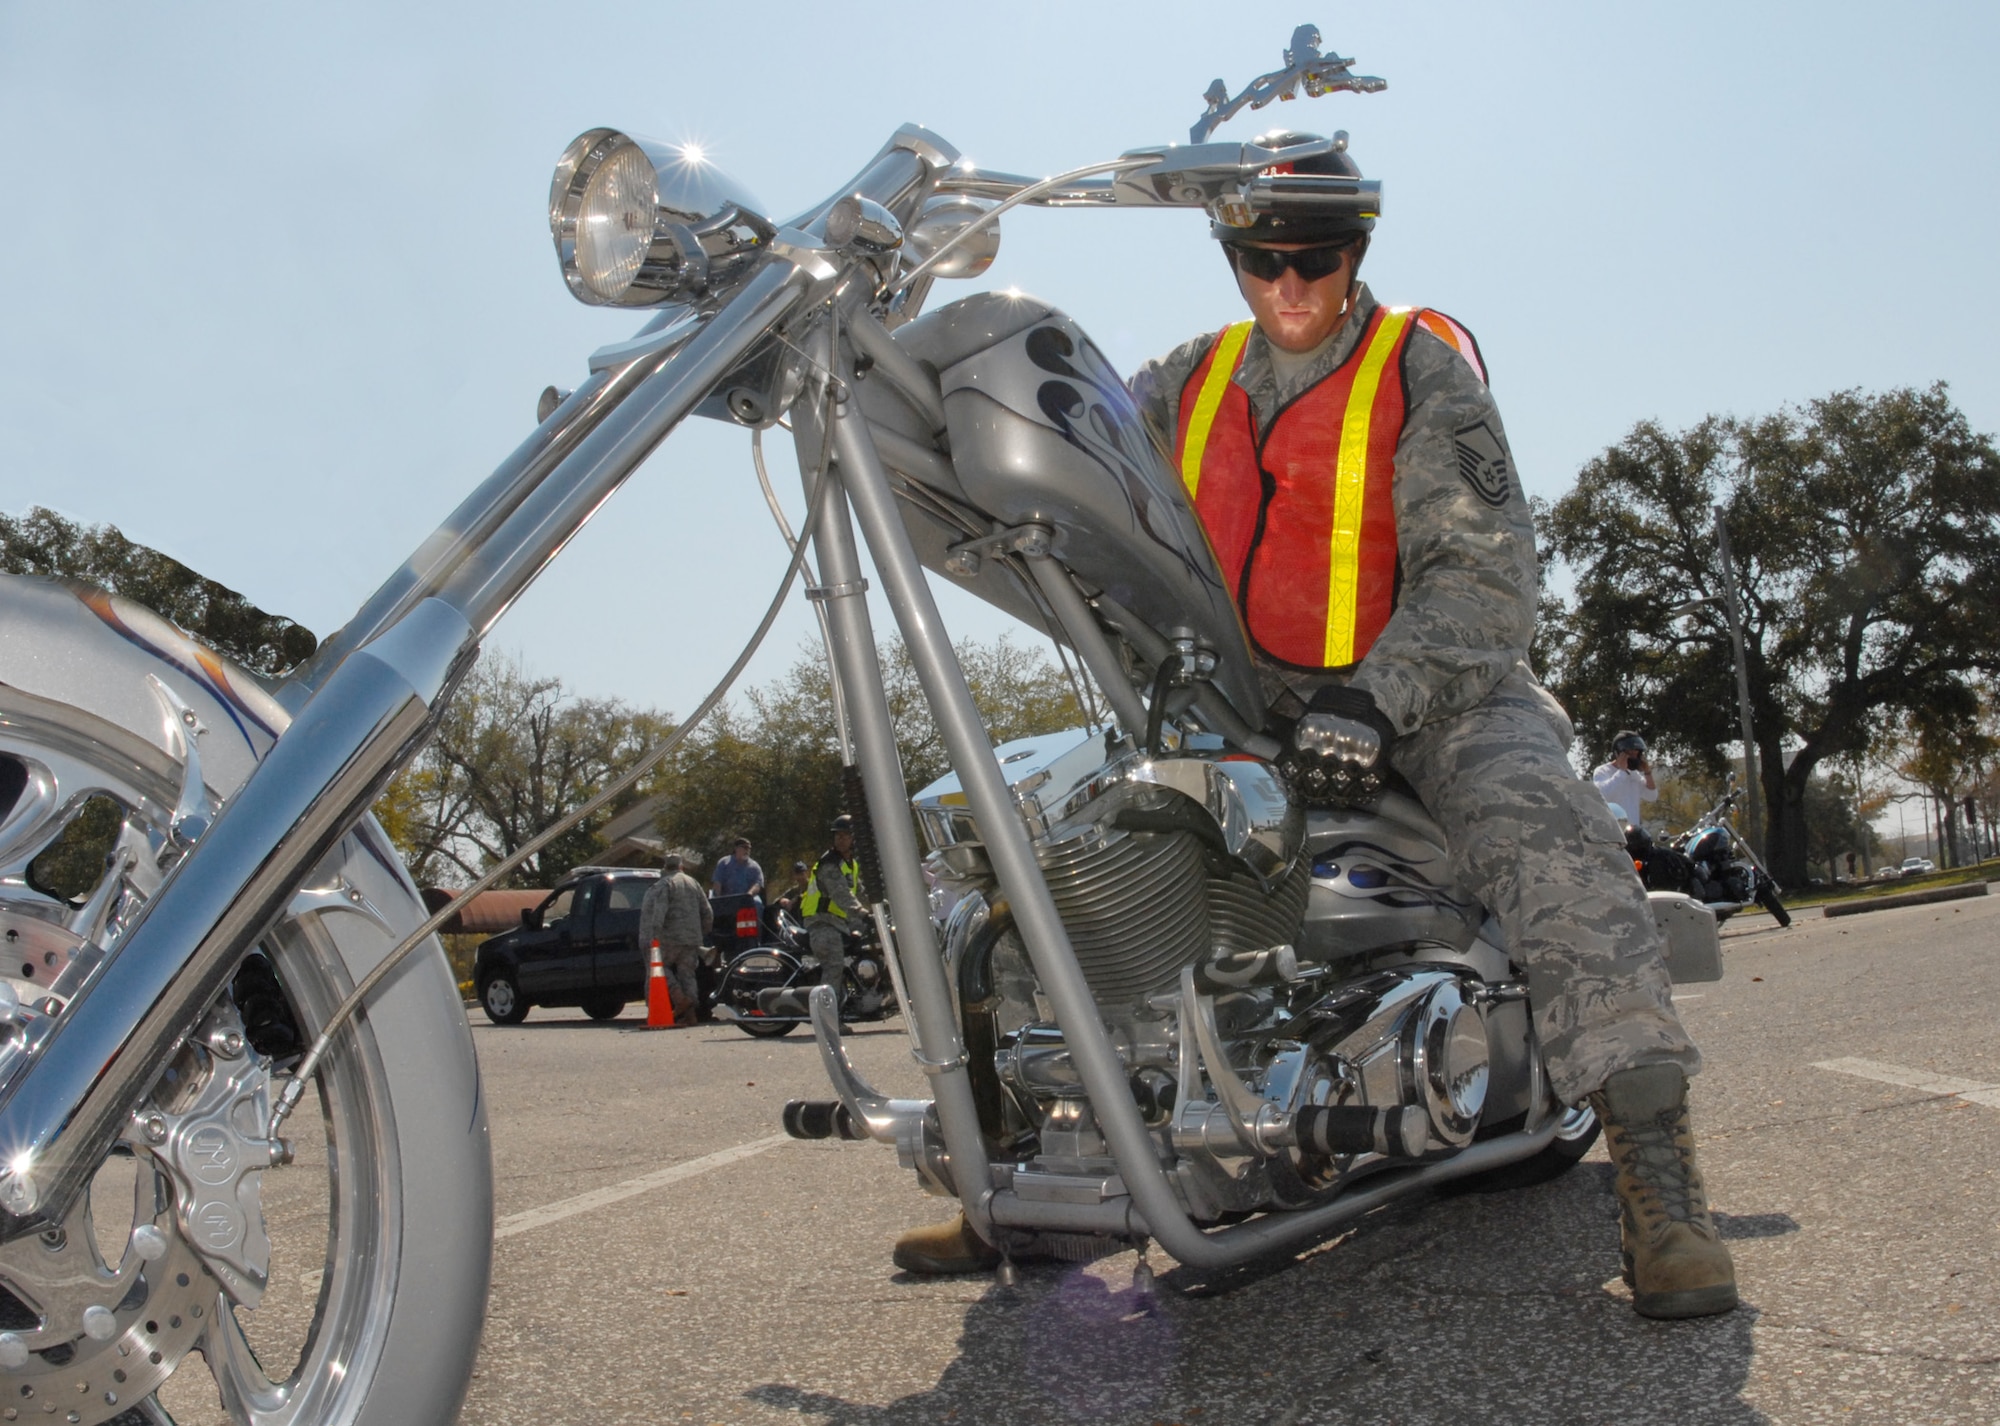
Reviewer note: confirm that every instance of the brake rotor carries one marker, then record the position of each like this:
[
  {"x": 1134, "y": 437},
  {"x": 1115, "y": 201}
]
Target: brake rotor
[{"x": 108, "y": 1338}]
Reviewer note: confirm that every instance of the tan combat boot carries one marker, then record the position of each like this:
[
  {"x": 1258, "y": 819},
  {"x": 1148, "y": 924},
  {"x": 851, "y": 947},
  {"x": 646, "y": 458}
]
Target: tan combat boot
[
  {"x": 938, "y": 1248},
  {"x": 1674, "y": 1258}
]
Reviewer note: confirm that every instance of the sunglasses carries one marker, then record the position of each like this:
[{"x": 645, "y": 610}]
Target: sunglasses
[{"x": 1269, "y": 264}]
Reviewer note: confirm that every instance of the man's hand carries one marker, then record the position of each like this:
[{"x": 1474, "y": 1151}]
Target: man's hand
[{"x": 1340, "y": 750}]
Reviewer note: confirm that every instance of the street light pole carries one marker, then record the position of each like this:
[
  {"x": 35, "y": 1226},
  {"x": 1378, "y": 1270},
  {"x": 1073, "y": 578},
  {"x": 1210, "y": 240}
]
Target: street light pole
[{"x": 1754, "y": 804}]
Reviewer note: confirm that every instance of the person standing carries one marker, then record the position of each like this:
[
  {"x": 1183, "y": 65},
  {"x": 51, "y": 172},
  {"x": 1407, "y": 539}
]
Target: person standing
[
  {"x": 832, "y": 906},
  {"x": 676, "y": 915},
  {"x": 1626, "y": 778},
  {"x": 737, "y": 874},
  {"x": 1349, "y": 465}
]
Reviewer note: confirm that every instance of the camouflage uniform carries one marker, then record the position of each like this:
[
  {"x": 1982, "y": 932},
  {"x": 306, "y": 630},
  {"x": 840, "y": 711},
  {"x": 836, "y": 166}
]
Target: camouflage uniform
[
  {"x": 1483, "y": 744},
  {"x": 826, "y": 933},
  {"x": 676, "y": 914}
]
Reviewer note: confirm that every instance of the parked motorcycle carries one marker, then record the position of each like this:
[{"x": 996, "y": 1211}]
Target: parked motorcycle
[
  {"x": 1709, "y": 862},
  {"x": 1168, "y": 1004},
  {"x": 765, "y": 992}
]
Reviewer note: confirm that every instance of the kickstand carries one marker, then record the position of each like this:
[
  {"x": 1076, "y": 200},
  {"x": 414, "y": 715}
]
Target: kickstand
[
  {"x": 1007, "y": 1275},
  {"x": 1143, "y": 1281}
]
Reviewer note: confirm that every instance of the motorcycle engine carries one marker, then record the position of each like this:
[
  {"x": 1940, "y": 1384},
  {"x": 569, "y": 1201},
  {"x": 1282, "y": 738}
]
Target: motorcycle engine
[
  {"x": 1155, "y": 863},
  {"x": 1183, "y": 883}
]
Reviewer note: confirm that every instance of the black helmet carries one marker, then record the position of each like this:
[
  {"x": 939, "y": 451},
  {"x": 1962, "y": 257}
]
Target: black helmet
[
  {"x": 843, "y": 823},
  {"x": 1320, "y": 199},
  {"x": 1628, "y": 741}
]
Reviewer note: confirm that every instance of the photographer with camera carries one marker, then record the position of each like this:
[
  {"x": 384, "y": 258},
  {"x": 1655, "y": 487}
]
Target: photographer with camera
[{"x": 1626, "y": 780}]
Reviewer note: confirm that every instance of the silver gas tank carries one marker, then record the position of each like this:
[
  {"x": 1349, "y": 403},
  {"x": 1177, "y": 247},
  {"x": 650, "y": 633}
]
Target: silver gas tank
[
  {"x": 1381, "y": 878},
  {"x": 1042, "y": 431}
]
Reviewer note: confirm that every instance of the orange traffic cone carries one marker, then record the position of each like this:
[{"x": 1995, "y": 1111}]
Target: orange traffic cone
[{"x": 659, "y": 999}]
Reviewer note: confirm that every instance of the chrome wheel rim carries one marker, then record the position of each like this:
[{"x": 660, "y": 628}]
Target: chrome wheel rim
[
  {"x": 1576, "y": 1123},
  {"x": 309, "y": 1351}
]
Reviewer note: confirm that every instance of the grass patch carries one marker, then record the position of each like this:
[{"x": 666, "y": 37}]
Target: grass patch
[{"x": 1988, "y": 870}]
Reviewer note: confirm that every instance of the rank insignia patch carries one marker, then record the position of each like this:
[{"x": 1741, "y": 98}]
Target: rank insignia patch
[{"x": 1482, "y": 460}]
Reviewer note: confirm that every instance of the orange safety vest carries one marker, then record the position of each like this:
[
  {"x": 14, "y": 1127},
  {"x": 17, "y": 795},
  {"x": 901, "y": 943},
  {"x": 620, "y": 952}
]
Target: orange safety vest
[{"x": 1304, "y": 522}]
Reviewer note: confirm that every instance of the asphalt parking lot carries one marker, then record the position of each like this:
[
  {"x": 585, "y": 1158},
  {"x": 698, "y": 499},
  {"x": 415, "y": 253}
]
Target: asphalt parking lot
[{"x": 663, "y": 1257}]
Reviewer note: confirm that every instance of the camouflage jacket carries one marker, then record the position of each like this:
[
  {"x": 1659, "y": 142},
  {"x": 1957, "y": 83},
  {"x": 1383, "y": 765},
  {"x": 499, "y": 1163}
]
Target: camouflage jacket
[
  {"x": 1465, "y": 607},
  {"x": 675, "y": 912}
]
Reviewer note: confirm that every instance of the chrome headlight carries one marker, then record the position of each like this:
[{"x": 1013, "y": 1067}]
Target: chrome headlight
[{"x": 639, "y": 223}]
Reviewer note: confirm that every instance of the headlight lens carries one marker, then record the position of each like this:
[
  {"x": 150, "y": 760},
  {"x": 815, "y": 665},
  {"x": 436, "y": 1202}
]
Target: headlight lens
[
  {"x": 615, "y": 223},
  {"x": 639, "y": 224}
]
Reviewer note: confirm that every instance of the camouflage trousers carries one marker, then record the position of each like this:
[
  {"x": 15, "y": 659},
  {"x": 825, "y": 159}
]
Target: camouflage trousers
[
  {"x": 1537, "y": 845},
  {"x": 826, "y": 938},
  {"x": 679, "y": 963}
]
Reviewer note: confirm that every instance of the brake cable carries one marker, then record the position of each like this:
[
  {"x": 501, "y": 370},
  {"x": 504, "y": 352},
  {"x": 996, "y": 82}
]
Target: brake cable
[{"x": 295, "y": 1090}]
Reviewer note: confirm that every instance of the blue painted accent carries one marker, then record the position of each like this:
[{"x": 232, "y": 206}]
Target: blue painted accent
[
  {"x": 1367, "y": 878},
  {"x": 1326, "y": 871}
]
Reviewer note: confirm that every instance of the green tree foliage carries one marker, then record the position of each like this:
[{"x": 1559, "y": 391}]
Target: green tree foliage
[
  {"x": 1836, "y": 824},
  {"x": 513, "y": 754},
  {"x": 43, "y": 542},
  {"x": 1951, "y": 753},
  {"x": 771, "y": 771},
  {"x": 1866, "y": 531},
  {"x": 70, "y": 867}
]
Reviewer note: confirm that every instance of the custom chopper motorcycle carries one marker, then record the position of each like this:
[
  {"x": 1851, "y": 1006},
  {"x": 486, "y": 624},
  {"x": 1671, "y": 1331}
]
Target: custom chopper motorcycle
[{"x": 1167, "y": 1005}]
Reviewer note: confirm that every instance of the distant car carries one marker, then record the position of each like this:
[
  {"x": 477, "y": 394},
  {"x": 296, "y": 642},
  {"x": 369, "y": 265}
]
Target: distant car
[
  {"x": 579, "y": 947},
  {"x": 1917, "y": 866},
  {"x": 1888, "y": 873}
]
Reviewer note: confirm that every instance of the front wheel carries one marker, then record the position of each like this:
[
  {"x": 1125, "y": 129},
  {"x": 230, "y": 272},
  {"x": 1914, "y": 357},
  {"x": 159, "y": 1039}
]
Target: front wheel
[
  {"x": 368, "y": 1253},
  {"x": 1767, "y": 897},
  {"x": 500, "y": 997},
  {"x": 749, "y": 973}
]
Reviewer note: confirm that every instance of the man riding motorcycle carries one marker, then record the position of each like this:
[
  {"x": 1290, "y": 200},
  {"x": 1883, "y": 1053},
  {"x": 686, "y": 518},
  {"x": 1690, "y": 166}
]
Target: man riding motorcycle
[{"x": 1350, "y": 468}]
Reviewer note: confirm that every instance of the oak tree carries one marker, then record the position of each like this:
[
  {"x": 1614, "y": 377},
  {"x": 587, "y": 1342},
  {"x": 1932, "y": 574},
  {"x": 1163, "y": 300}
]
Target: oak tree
[{"x": 1866, "y": 534}]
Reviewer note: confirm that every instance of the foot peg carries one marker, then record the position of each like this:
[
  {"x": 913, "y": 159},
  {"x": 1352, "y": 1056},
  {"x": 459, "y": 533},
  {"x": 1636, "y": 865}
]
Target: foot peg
[
  {"x": 820, "y": 1119},
  {"x": 1401, "y": 1133}
]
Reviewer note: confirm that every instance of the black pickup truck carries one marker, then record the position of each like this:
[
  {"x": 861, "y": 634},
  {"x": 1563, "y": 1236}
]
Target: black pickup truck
[{"x": 579, "y": 947}]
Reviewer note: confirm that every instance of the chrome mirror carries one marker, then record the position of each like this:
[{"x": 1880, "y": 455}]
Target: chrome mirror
[{"x": 943, "y": 218}]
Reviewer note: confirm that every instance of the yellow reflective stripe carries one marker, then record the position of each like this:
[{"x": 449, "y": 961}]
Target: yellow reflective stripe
[
  {"x": 1350, "y": 485},
  {"x": 1209, "y": 401}
]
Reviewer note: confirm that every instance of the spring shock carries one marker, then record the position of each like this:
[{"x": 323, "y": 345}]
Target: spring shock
[{"x": 856, "y": 805}]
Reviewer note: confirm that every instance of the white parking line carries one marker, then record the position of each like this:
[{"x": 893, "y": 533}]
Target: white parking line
[
  {"x": 631, "y": 1188},
  {"x": 1972, "y": 1089}
]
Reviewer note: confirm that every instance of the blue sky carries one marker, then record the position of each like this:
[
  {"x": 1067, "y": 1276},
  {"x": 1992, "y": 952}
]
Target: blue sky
[{"x": 276, "y": 285}]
